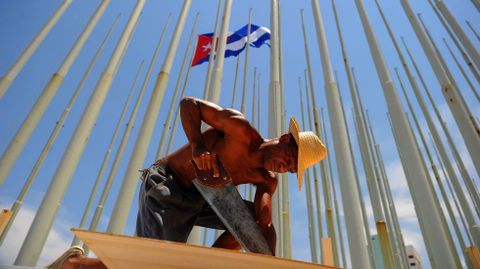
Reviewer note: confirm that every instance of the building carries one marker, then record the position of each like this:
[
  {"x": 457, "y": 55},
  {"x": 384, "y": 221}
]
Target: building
[{"x": 413, "y": 258}]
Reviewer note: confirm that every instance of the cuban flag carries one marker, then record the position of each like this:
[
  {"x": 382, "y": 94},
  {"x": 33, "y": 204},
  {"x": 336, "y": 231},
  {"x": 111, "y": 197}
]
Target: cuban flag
[{"x": 236, "y": 42}]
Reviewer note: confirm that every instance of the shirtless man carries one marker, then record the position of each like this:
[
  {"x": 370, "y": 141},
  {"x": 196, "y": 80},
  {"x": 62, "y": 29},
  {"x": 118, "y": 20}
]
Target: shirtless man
[{"x": 170, "y": 205}]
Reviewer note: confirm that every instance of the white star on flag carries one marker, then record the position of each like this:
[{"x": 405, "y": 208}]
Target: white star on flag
[{"x": 207, "y": 47}]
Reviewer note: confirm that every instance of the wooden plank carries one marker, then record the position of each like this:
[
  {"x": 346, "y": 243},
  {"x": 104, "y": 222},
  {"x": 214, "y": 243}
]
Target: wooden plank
[
  {"x": 5, "y": 216},
  {"x": 474, "y": 256},
  {"x": 327, "y": 251},
  {"x": 125, "y": 252}
]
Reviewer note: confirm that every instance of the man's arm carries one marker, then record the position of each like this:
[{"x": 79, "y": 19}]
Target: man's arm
[
  {"x": 263, "y": 200},
  {"x": 193, "y": 111}
]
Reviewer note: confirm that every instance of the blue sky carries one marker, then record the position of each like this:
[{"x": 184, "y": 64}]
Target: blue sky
[{"x": 21, "y": 20}]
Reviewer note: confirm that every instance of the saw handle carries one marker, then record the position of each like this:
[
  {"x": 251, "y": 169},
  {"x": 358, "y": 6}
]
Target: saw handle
[{"x": 205, "y": 177}]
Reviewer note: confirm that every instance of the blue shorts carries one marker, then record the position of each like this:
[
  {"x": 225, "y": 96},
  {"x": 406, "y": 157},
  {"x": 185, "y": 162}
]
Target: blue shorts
[{"x": 168, "y": 210}]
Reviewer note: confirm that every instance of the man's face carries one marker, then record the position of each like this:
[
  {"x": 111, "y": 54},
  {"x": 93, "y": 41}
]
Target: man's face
[{"x": 283, "y": 156}]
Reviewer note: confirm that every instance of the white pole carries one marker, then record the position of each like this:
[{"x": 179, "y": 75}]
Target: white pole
[
  {"x": 430, "y": 123},
  {"x": 461, "y": 113},
  {"x": 274, "y": 112},
  {"x": 433, "y": 166},
  {"x": 245, "y": 65},
  {"x": 465, "y": 57},
  {"x": 311, "y": 215},
  {"x": 351, "y": 200},
  {"x": 213, "y": 51},
  {"x": 216, "y": 83},
  {"x": 53, "y": 135},
  {"x": 127, "y": 190},
  {"x": 166, "y": 125},
  {"x": 126, "y": 135},
  {"x": 469, "y": 82},
  {"x": 457, "y": 29},
  {"x": 452, "y": 79},
  {"x": 12, "y": 73},
  {"x": 313, "y": 118},
  {"x": 451, "y": 142},
  {"x": 43, "y": 221},
  {"x": 34, "y": 116},
  {"x": 107, "y": 155},
  {"x": 473, "y": 29},
  {"x": 412, "y": 164},
  {"x": 315, "y": 173},
  {"x": 476, "y": 3},
  {"x": 234, "y": 94},
  {"x": 367, "y": 156},
  {"x": 430, "y": 182}
]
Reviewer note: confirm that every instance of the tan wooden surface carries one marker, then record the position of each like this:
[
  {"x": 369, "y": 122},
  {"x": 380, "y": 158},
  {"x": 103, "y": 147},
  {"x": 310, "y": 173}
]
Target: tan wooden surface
[
  {"x": 125, "y": 252},
  {"x": 327, "y": 251},
  {"x": 5, "y": 216},
  {"x": 474, "y": 256}
]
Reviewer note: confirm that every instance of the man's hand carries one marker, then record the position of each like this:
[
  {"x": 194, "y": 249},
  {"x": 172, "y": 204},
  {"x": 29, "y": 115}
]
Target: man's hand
[{"x": 205, "y": 160}]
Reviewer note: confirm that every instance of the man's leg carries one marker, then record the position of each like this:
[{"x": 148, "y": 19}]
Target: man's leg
[{"x": 226, "y": 240}]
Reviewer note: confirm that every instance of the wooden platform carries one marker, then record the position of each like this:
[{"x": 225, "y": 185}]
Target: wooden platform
[{"x": 125, "y": 252}]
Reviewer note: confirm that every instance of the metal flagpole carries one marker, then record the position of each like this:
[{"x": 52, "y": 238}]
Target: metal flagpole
[
  {"x": 473, "y": 29},
  {"x": 311, "y": 214},
  {"x": 126, "y": 135},
  {"x": 476, "y": 3},
  {"x": 447, "y": 70},
  {"x": 433, "y": 166},
  {"x": 125, "y": 197},
  {"x": 452, "y": 193},
  {"x": 326, "y": 192},
  {"x": 216, "y": 82},
  {"x": 234, "y": 94},
  {"x": 313, "y": 118},
  {"x": 466, "y": 58},
  {"x": 444, "y": 221},
  {"x": 274, "y": 113},
  {"x": 259, "y": 101},
  {"x": 460, "y": 112},
  {"x": 25, "y": 131},
  {"x": 253, "y": 118},
  {"x": 358, "y": 252},
  {"x": 371, "y": 252},
  {"x": 455, "y": 86},
  {"x": 402, "y": 255},
  {"x": 108, "y": 152},
  {"x": 431, "y": 125},
  {"x": 457, "y": 29},
  {"x": 411, "y": 161},
  {"x": 458, "y": 160},
  {"x": 369, "y": 147},
  {"x": 367, "y": 156},
  {"x": 12, "y": 73},
  {"x": 285, "y": 206},
  {"x": 43, "y": 221},
  {"x": 53, "y": 135},
  {"x": 213, "y": 51},
  {"x": 339, "y": 226},
  {"x": 245, "y": 66},
  {"x": 469, "y": 82},
  {"x": 308, "y": 92},
  {"x": 166, "y": 126},
  {"x": 177, "y": 117}
]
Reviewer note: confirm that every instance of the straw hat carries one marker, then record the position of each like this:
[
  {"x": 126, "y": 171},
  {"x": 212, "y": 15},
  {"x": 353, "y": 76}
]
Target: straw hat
[{"x": 310, "y": 149}]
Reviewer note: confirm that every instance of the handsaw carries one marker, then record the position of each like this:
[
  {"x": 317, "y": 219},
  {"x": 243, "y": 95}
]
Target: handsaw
[{"x": 224, "y": 199}]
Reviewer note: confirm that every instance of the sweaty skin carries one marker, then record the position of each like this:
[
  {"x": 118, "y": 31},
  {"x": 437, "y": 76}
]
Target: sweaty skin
[{"x": 246, "y": 156}]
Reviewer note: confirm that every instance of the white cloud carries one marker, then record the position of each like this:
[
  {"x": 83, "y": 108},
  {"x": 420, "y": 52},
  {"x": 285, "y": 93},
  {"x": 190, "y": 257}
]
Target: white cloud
[{"x": 57, "y": 242}]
